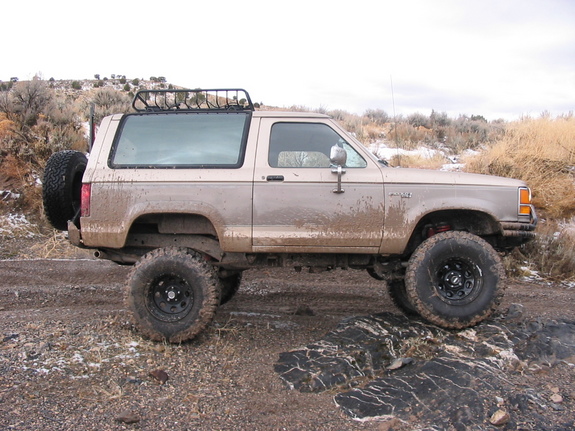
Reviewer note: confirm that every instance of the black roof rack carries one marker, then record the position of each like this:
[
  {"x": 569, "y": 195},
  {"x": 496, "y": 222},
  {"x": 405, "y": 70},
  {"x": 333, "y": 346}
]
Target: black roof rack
[{"x": 222, "y": 99}]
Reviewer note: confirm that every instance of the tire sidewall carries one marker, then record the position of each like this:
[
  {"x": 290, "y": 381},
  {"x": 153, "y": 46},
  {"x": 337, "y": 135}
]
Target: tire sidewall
[{"x": 421, "y": 279}]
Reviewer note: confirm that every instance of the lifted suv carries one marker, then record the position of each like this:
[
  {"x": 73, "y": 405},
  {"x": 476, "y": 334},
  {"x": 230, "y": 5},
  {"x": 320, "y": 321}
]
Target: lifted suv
[{"x": 196, "y": 186}]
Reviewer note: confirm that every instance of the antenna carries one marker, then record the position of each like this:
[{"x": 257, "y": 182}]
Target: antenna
[
  {"x": 92, "y": 126},
  {"x": 395, "y": 122}
]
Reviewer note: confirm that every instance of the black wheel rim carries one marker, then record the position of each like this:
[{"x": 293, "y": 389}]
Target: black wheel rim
[
  {"x": 458, "y": 281},
  {"x": 170, "y": 298}
]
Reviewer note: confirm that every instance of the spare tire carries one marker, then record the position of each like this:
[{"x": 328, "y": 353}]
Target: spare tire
[{"x": 62, "y": 187}]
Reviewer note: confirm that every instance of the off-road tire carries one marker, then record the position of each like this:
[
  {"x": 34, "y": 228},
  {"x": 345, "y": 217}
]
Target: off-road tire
[
  {"x": 398, "y": 295},
  {"x": 62, "y": 185},
  {"x": 455, "y": 280},
  {"x": 230, "y": 286},
  {"x": 173, "y": 294}
]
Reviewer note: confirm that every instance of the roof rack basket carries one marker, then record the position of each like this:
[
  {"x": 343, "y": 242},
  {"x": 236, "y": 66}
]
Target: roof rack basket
[{"x": 223, "y": 99}]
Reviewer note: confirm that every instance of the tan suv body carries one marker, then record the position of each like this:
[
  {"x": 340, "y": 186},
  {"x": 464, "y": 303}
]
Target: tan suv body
[
  {"x": 289, "y": 207},
  {"x": 247, "y": 188}
]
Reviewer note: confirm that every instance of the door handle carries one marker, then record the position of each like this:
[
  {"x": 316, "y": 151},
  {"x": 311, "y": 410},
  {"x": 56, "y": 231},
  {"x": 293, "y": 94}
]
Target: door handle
[{"x": 275, "y": 178}]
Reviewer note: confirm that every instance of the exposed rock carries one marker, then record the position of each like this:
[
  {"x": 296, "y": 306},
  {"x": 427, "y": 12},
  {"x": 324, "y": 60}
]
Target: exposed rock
[
  {"x": 160, "y": 375},
  {"x": 499, "y": 418},
  {"x": 398, "y": 363},
  {"x": 458, "y": 380},
  {"x": 514, "y": 312},
  {"x": 128, "y": 417}
]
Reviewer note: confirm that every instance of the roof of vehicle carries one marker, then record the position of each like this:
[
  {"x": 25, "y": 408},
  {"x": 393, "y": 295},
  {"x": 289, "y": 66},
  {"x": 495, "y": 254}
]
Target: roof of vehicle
[{"x": 291, "y": 114}]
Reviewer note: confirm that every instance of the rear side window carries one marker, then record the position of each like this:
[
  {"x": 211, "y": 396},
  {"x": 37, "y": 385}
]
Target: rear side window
[{"x": 190, "y": 140}]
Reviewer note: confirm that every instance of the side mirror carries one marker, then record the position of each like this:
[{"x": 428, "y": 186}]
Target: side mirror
[{"x": 338, "y": 155}]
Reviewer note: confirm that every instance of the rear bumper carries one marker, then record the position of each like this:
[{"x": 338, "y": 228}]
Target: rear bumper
[{"x": 74, "y": 235}]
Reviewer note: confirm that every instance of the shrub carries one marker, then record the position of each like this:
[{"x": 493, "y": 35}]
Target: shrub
[
  {"x": 418, "y": 120},
  {"x": 34, "y": 123},
  {"x": 377, "y": 116},
  {"x": 409, "y": 137},
  {"x": 106, "y": 101}
]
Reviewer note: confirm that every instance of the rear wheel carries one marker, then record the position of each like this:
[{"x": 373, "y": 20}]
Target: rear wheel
[
  {"x": 173, "y": 294},
  {"x": 455, "y": 280},
  {"x": 230, "y": 286}
]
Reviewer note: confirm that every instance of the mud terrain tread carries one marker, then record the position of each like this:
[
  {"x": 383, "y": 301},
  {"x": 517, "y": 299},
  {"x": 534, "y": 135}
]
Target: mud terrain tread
[
  {"x": 464, "y": 240},
  {"x": 61, "y": 187},
  {"x": 207, "y": 291}
]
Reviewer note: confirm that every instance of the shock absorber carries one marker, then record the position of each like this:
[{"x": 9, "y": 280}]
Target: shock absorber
[{"x": 438, "y": 228}]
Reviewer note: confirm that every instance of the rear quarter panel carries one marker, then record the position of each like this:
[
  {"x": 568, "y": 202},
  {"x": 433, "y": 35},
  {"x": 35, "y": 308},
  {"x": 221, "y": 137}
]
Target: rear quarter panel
[{"x": 120, "y": 196}]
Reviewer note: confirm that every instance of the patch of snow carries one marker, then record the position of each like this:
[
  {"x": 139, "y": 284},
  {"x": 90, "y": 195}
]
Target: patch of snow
[
  {"x": 530, "y": 275},
  {"x": 77, "y": 358},
  {"x": 7, "y": 194},
  {"x": 384, "y": 152},
  {"x": 568, "y": 227},
  {"x": 453, "y": 167},
  {"x": 17, "y": 224}
]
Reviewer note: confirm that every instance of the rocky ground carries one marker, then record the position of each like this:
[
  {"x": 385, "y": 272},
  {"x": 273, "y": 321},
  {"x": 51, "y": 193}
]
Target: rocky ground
[{"x": 290, "y": 351}]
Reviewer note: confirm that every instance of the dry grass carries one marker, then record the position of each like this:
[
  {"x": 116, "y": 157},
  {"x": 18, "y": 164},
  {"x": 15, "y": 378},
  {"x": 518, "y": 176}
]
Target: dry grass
[
  {"x": 540, "y": 152},
  {"x": 56, "y": 246},
  {"x": 552, "y": 253},
  {"x": 417, "y": 161}
]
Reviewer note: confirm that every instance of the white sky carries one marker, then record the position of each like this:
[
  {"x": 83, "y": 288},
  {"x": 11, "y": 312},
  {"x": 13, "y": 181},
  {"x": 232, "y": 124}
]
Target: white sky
[{"x": 496, "y": 58}]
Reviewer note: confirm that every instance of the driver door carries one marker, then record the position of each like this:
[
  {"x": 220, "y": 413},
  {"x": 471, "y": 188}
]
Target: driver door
[{"x": 297, "y": 206}]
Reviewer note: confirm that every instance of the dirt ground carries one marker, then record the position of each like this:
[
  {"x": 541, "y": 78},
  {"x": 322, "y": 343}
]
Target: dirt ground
[{"x": 71, "y": 360}]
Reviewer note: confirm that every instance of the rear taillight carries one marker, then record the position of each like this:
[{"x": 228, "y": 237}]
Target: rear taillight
[{"x": 85, "y": 200}]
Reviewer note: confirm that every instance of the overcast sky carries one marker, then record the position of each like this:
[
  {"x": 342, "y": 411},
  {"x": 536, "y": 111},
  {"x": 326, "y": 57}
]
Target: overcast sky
[{"x": 496, "y": 58}]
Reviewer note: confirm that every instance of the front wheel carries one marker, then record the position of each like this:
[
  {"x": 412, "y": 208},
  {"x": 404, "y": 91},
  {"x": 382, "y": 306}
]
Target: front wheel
[
  {"x": 173, "y": 294},
  {"x": 455, "y": 280}
]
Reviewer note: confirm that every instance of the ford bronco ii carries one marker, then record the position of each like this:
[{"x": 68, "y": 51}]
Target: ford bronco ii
[{"x": 195, "y": 186}]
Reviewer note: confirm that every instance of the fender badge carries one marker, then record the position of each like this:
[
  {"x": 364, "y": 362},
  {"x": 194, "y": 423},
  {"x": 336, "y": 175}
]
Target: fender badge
[{"x": 401, "y": 195}]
